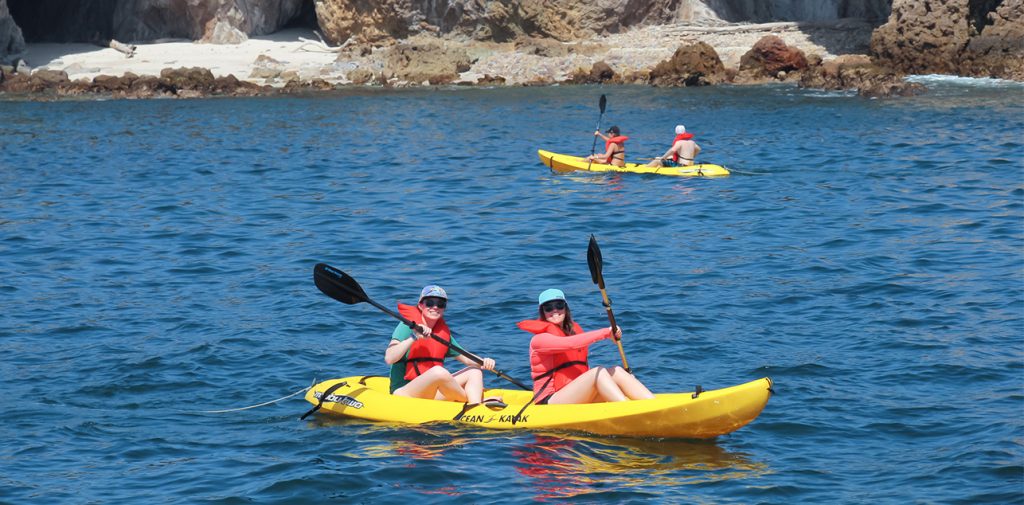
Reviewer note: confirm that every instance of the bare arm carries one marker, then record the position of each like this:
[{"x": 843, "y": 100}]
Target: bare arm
[
  {"x": 397, "y": 348},
  {"x": 488, "y": 362},
  {"x": 548, "y": 343}
]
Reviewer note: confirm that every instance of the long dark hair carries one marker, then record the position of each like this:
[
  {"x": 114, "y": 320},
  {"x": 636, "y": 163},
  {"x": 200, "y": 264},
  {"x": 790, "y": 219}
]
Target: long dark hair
[{"x": 567, "y": 327}]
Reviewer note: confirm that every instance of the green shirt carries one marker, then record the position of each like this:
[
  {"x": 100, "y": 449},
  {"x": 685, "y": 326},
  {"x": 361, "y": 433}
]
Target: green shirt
[{"x": 401, "y": 333}]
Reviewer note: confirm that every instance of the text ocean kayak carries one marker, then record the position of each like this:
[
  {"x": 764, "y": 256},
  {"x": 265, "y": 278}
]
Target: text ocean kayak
[
  {"x": 566, "y": 163},
  {"x": 671, "y": 415}
]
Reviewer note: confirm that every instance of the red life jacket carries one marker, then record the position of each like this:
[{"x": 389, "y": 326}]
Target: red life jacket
[
  {"x": 425, "y": 353},
  {"x": 552, "y": 371},
  {"x": 681, "y": 136},
  {"x": 621, "y": 140}
]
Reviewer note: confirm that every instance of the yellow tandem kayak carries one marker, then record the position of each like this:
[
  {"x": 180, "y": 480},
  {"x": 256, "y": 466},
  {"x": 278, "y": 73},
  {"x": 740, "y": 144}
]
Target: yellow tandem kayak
[
  {"x": 670, "y": 415},
  {"x": 566, "y": 163}
]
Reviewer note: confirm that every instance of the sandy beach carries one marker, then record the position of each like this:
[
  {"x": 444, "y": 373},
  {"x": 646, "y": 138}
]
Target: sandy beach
[{"x": 295, "y": 49}]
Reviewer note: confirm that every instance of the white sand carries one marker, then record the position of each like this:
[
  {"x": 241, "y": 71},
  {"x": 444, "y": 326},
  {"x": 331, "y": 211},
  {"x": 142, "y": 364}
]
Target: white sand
[{"x": 307, "y": 58}]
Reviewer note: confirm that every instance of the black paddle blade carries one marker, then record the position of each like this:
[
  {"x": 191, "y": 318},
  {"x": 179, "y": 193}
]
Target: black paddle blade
[
  {"x": 338, "y": 285},
  {"x": 602, "y": 103},
  {"x": 594, "y": 261}
]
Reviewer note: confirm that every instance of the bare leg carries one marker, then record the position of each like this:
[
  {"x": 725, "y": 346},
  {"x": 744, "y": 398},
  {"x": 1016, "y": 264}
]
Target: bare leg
[
  {"x": 434, "y": 382},
  {"x": 594, "y": 385},
  {"x": 630, "y": 385},
  {"x": 655, "y": 163},
  {"x": 471, "y": 380}
]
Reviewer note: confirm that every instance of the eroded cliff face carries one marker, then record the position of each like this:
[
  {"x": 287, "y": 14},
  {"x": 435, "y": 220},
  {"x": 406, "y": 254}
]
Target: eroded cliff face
[
  {"x": 983, "y": 38},
  {"x": 758, "y": 11},
  {"x": 11, "y": 39},
  {"x": 564, "y": 20},
  {"x": 145, "y": 20}
]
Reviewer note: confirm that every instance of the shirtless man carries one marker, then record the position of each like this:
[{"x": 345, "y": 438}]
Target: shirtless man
[{"x": 682, "y": 153}]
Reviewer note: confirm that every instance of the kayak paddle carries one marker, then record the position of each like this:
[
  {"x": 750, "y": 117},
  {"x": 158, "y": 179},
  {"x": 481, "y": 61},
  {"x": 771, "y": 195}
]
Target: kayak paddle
[
  {"x": 601, "y": 103},
  {"x": 342, "y": 287},
  {"x": 594, "y": 261}
]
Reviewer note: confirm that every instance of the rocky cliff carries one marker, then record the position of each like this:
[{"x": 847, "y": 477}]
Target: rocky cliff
[
  {"x": 983, "y": 38},
  {"x": 564, "y": 20},
  {"x": 146, "y": 20},
  {"x": 966, "y": 37},
  {"x": 11, "y": 40}
]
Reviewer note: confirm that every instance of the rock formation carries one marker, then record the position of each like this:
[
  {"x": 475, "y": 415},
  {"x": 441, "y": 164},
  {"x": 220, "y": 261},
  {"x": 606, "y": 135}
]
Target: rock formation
[
  {"x": 145, "y": 20},
  {"x": 967, "y": 37},
  {"x": 771, "y": 58},
  {"x": 11, "y": 40},
  {"x": 692, "y": 65}
]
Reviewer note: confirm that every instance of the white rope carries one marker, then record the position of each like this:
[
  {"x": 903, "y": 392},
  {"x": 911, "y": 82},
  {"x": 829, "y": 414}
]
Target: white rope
[{"x": 303, "y": 390}]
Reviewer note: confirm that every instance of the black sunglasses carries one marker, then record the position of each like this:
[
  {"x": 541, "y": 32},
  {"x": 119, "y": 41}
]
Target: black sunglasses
[
  {"x": 435, "y": 302},
  {"x": 553, "y": 305}
]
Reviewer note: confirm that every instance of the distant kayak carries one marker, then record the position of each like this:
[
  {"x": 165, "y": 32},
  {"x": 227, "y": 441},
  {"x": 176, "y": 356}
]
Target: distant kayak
[
  {"x": 566, "y": 163},
  {"x": 669, "y": 415}
]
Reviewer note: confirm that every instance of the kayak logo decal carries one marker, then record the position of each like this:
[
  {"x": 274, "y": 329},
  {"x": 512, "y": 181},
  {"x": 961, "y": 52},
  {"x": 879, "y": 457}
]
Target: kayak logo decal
[
  {"x": 495, "y": 418},
  {"x": 342, "y": 399}
]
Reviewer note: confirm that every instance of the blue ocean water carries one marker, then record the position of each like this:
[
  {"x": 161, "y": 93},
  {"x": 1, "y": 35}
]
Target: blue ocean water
[{"x": 868, "y": 255}]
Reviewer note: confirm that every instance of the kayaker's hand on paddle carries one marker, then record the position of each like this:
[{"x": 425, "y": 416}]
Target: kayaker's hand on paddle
[
  {"x": 421, "y": 331},
  {"x": 618, "y": 332},
  {"x": 488, "y": 364}
]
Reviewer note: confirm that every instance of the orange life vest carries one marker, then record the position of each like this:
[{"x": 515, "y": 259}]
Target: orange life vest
[
  {"x": 552, "y": 371},
  {"x": 425, "y": 353}
]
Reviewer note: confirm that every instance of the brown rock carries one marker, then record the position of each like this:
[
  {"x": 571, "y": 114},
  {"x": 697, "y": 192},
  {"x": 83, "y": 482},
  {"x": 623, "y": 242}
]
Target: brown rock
[
  {"x": 193, "y": 79},
  {"x": 363, "y": 20},
  {"x": 51, "y": 78},
  {"x": 998, "y": 51},
  {"x": 891, "y": 88},
  {"x": 148, "y": 86},
  {"x": 923, "y": 36},
  {"x": 21, "y": 83},
  {"x": 860, "y": 73},
  {"x": 693, "y": 65},
  {"x": 598, "y": 73},
  {"x": 962, "y": 37},
  {"x": 430, "y": 61},
  {"x": 488, "y": 80},
  {"x": 110, "y": 83},
  {"x": 360, "y": 76},
  {"x": 770, "y": 56}
]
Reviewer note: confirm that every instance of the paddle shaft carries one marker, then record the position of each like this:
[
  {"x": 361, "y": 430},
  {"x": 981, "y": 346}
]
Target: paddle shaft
[
  {"x": 472, "y": 357},
  {"x": 601, "y": 104},
  {"x": 615, "y": 328}
]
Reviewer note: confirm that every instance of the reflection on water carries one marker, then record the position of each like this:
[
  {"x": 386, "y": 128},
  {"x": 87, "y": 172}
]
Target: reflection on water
[
  {"x": 565, "y": 466},
  {"x": 413, "y": 442},
  {"x": 558, "y": 465}
]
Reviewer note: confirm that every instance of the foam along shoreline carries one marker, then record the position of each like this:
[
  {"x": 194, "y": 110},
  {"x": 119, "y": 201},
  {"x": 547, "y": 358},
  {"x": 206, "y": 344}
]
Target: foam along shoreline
[{"x": 297, "y": 50}]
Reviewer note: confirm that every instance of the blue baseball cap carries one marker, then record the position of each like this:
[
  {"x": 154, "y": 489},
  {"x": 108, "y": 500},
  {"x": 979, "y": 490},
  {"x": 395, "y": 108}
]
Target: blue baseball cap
[
  {"x": 433, "y": 290},
  {"x": 550, "y": 294}
]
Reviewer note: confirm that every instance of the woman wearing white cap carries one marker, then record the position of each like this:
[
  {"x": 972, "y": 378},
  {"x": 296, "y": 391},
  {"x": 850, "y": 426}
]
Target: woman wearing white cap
[
  {"x": 682, "y": 153},
  {"x": 558, "y": 359},
  {"x": 417, "y": 359}
]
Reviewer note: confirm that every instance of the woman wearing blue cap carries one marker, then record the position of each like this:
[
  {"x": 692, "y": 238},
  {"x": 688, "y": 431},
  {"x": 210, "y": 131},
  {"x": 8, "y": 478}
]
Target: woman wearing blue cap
[
  {"x": 558, "y": 359},
  {"x": 417, "y": 360}
]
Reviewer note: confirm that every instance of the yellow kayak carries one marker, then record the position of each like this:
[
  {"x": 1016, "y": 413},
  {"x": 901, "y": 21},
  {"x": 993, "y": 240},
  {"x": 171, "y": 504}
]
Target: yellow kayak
[
  {"x": 671, "y": 415},
  {"x": 566, "y": 163}
]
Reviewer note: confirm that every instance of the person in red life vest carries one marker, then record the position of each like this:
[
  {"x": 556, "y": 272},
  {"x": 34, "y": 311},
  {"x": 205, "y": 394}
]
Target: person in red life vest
[
  {"x": 682, "y": 153},
  {"x": 417, "y": 360},
  {"x": 614, "y": 148},
  {"x": 558, "y": 359}
]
